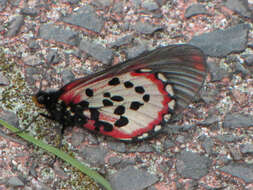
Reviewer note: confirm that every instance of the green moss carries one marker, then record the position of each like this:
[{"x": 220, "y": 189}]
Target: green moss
[{"x": 16, "y": 97}]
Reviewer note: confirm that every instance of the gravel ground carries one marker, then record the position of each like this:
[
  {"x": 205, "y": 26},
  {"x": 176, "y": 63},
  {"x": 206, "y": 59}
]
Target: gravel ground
[{"x": 53, "y": 42}]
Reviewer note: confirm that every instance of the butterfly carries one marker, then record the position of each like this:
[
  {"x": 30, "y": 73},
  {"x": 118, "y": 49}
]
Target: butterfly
[{"x": 132, "y": 100}]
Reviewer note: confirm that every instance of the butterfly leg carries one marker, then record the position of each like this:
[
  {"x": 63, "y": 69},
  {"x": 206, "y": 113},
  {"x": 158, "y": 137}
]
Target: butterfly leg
[
  {"x": 61, "y": 136},
  {"x": 63, "y": 127},
  {"x": 46, "y": 116}
]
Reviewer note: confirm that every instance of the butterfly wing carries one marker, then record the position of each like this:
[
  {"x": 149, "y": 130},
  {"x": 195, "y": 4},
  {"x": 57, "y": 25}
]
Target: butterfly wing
[{"x": 133, "y": 100}]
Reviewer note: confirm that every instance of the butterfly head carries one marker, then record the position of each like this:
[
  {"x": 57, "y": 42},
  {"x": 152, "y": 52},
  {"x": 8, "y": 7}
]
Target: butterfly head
[{"x": 41, "y": 98}]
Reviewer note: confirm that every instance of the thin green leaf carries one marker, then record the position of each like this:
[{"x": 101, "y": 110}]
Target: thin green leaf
[{"x": 60, "y": 154}]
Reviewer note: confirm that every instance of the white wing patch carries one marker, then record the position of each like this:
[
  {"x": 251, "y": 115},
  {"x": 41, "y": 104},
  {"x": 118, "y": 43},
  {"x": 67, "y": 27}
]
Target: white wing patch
[
  {"x": 132, "y": 105},
  {"x": 137, "y": 98}
]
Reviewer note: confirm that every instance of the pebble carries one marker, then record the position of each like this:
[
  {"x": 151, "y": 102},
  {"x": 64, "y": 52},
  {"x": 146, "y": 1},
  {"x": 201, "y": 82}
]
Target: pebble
[
  {"x": 241, "y": 170},
  {"x": 58, "y": 34},
  {"x": 132, "y": 178},
  {"x": 15, "y": 26},
  {"x": 97, "y": 51},
  {"x": 195, "y": 9},
  {"x": 236, "y": 120},
  {"x": 220, "y": 43},
  {"x": 192, "y": 165},
  {"x": 87, "y": 18}
]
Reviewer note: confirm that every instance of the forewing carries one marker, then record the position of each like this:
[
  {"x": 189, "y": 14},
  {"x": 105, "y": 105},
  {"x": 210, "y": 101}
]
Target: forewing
[{"x": 132, "y": 100}]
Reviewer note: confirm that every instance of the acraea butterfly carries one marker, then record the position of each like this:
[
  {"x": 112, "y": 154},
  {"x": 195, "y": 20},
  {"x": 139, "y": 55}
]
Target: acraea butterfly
[{"x": 132, "y": 100}]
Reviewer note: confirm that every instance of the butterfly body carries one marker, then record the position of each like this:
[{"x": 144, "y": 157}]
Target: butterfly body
[{"x": 132, "y": 100}]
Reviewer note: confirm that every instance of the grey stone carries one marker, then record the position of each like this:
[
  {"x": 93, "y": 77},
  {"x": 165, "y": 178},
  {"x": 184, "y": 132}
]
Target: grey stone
[
  {"x": 228, "y": 138},
  {"x": 33, "y": 45},
  {"x": 209, "y": 96},
  {"x": 150, "y": 5},
  {"x": 180, "y": 139},
  {"x": 72, "y": 2},
  {"x": 67, "y": 76},
  {"x": 15, "y": 26},
  {"x": 9, "y": 117},
  {"x": 248, "y": 58},
  {"x": 87, "y": 18},
  {"x": 122, "y": 41},
  {"x": 114, "y": 160},
  {"x": 241, "y": 170},
  {"x": 208, "y": 145},
  {"x": 146, "y": 28},
  {"x": 92, "y": 138},
  {"x": 237, "y": 120},
  {"x": 14, "y": 3},
  {"x": 77, "y": 138},
  {"x": 136, "y": 50},
  {"x": 15, "y": 181},
  {"x": 32, "y": 60},
  {"x": 192, "y": 165},
  {"x": 239, "y": 68},
  {"x": 168, "y": 144},
  {"x": 161, "y": 2},
  {"x": 246, "y": 148},
  {"x": 136, "y": 3},
  {"x": 241, "y": 7},
  {"x": 3, "y": 80},
  {"x": 29, "y": 11},
  {"x": 97, "y": 51},
  {"x": 94, "y": 155},
  {"x": 145, "y": 148},
  {"x": 217, "y": 73},
  {"x": 177, "y": 129},
  {"x": 220, "y": 43},
  {"x": 118, "y": 7},
  {"x": 195, "y": 9},
  {"x": 117, "y": 146},
  {"x": 213, "y": 119},
  {"x": 223, "y": 159},
  {"x": 131, "y": 178},
  {"x": 3, "y": 4},
  {"x": 58, "y": 34},
  {"x": 125, "y": 163},
  {"x": 101, "y": 4}
]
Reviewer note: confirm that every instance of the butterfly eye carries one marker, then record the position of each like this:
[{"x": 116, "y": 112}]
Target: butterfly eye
[{"x": 40, "y": 99}]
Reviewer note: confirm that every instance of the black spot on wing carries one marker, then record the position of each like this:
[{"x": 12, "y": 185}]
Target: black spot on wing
[
  {"x": 119, "y": 110},
  {"x": 117, "y": 98},
  {"x": 89, "y": 92},
  {"x": 146, "y": 97},
  {"x": 128, "y": 84},
  {"x": 135, "y": 105},
  {"x": 107, "y": 94},
  {"x": 122, "y": 121},
  {"x": 139, "y": 89},
  {"x": 107, "y": 102},
  {"x": 113, "y": 82}
]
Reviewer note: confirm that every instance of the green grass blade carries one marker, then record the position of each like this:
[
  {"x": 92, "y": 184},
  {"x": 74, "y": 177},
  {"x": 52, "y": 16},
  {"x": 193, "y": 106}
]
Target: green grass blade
[{"x": 60, "y": 154}]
